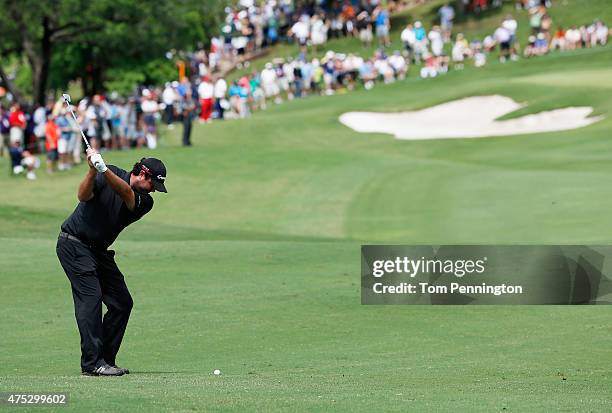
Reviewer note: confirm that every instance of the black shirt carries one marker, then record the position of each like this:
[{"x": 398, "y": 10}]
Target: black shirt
[{"x": 99, "y": 221}]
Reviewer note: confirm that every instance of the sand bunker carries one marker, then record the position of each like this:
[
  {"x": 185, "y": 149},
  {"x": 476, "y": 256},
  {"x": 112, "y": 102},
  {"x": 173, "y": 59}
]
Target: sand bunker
[{"x": 473, "y": 117}]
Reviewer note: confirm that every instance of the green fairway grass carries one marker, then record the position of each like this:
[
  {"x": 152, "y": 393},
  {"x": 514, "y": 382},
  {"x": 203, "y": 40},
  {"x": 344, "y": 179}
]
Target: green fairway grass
[
  {"x": 597, "y": 78},
  {"x": 251, "y": 263}
]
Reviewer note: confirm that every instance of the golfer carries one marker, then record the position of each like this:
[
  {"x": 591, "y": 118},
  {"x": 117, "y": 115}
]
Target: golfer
[{"x": 110, "y": 200}]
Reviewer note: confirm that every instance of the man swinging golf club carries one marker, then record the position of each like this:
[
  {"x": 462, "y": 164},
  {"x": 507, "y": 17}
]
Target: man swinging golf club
[{"x": 110, "y": 199}]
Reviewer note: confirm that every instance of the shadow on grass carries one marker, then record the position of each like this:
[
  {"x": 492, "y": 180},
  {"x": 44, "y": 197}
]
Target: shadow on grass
[
  {"x": 33, "y": 223},
  {"x": 161, "y": 372},
  {"x": 180, "y": 233}
]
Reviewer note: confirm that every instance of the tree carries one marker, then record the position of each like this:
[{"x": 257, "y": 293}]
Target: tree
[
  {"x": 79, "y": 38},
  {"x": 33, "y": 28}
]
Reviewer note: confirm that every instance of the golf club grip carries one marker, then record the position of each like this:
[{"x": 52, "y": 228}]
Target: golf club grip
[{"x": 85, "y": 139}]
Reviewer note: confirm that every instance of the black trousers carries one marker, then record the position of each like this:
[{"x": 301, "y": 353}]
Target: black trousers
[
  {"x": 95, "y": 279},
  {"x": 169, "y": 114},
  {"x": 187, "y": 122}
]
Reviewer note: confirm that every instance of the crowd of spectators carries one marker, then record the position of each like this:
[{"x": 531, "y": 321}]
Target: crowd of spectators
[
  {"x": 543, "y": 39},
  {"x": 251, "y": 26},
  {"x": 114, "y": 123},
  {"x": 109, "y": 122}
]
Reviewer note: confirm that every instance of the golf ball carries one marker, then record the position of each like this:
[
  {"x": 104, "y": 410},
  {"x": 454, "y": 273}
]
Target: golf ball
[{"x": 217, "y": 372}]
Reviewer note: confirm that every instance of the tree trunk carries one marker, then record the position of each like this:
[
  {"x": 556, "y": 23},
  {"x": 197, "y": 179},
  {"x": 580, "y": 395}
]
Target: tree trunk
[
  {"x": 40, "y": 73},
  {"x": 11, "y": 86},
  {"x": 98, "y": 83},
  {"x": 84, "y": 87},
  {"x": 460, "y": 7}
]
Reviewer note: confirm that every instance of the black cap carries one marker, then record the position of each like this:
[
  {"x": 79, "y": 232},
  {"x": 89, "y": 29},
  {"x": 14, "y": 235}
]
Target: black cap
[{"x": 157, "y": 170}]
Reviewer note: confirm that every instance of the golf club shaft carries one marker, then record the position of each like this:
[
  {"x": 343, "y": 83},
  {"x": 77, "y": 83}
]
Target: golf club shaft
[{"x": 77, "y": 123}]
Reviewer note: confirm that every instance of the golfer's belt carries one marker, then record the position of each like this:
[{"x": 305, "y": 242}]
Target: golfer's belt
[{"x": 73, "y": 238}]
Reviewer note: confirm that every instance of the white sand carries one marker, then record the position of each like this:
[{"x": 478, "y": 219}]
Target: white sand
[{"x": 473, "y": 117}]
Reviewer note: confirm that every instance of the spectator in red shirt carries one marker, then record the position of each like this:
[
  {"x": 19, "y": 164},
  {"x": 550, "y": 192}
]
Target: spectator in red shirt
[
  {"x": 17, "y": 122},
  {"x": 558, "y": 41}
]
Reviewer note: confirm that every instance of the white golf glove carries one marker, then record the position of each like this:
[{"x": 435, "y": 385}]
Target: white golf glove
[{"x": 98, "y": 162}]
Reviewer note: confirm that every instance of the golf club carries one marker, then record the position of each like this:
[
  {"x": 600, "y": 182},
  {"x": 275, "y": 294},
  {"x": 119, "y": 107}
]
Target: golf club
[{"x": 66, "y": 98}]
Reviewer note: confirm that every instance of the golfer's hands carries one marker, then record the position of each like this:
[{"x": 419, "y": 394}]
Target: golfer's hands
[{"x": 95, "y": 161}]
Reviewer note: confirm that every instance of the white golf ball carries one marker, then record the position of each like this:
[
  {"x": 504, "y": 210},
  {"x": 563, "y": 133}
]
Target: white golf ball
[{"x": 217, "y": 372}]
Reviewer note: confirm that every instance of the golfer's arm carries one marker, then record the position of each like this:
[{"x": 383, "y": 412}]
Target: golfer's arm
[
  {"x": 86, "y": 186},
  {"x": 121, "y": 188}
]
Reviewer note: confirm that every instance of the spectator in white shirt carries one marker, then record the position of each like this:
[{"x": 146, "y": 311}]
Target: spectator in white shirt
[
  {"x": 408, "y": 39},
  {"x": 435, "y": 38},
  {"x": 40, "y": 119},
  {"x": 301, "y": 31},
  {"x": 169, "y": 99},
  {"x": 511, "y": 25},
  {"x": 269, "y": 82},
  {"x": 150, "y": 108},
  {"x": 399, "y": 65},
  {"x": 502, "y": 38},
  {"x": 219, "y": 92}
]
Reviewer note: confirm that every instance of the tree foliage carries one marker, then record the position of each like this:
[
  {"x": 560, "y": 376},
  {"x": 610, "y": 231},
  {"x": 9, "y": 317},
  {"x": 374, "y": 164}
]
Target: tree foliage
[{"x": 62, "y": 40}]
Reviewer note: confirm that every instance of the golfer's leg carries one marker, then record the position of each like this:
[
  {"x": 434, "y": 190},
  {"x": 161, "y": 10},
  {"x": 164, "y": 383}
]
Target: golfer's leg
[
  {"x": 79, "y": 265},
  {"x": 118, "y": 301}
]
